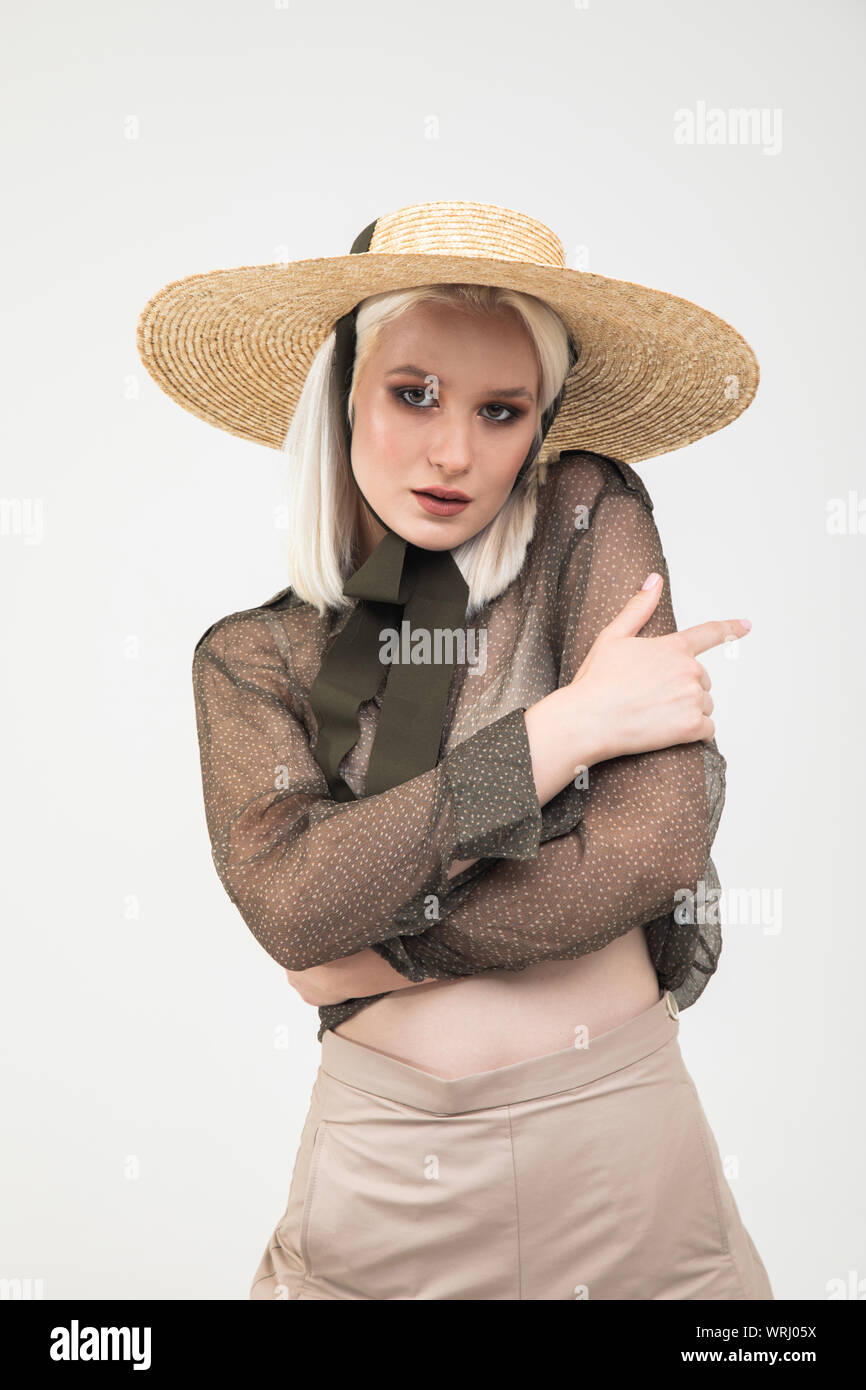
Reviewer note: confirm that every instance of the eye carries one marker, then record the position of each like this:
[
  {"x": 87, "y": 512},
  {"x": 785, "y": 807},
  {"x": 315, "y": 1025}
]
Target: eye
[
  {"x": 504, "y": 419},
  {"x": 401, "y": 393}
]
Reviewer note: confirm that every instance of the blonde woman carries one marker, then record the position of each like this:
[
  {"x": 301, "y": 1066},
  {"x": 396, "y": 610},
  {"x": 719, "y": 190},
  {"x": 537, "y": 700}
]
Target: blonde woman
[{"x": 460, "y": 776}]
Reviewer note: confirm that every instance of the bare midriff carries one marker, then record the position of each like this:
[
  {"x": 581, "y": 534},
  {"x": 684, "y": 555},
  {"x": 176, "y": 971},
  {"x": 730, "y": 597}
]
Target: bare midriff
[{"x": 454, "y": 1028}]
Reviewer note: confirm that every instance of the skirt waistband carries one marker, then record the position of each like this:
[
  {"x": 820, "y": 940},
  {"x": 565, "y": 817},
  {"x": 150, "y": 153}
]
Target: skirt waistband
[{"x": 372, "y": 1071}]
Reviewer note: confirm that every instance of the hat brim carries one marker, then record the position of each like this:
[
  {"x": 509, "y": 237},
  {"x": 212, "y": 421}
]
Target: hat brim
[{"x": 654, "y": 372}]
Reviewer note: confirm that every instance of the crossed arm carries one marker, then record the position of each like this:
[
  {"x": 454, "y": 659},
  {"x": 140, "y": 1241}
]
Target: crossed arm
[
  {"x": 549, "y": 886},
  {"x": 358, "y": 975},
  {"x": 641, "y": 835}
]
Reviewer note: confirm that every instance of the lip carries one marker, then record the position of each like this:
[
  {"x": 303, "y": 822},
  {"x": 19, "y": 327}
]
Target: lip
[
  {"x": 448, "y": 494},
  {"x": 441, "y": 506}
]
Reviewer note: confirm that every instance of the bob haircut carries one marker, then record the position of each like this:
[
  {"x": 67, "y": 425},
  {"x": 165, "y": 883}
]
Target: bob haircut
[{"x": 323, "y": 496}]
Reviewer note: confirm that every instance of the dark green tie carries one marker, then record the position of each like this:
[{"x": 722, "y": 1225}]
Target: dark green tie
[{"x": 399, "y": 582}]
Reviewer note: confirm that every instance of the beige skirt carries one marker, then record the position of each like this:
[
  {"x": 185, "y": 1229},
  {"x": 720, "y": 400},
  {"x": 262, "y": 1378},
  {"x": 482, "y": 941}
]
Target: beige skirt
[{"x": 590, "y": 1173}]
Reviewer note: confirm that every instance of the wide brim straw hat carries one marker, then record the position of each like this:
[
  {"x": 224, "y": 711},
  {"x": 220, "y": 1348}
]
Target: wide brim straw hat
[{"x": 654, "y": 372}]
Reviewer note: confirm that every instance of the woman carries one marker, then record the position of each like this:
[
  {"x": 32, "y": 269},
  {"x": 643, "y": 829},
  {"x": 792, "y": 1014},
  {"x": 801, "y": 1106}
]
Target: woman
[{"x": 449, "y": 783}]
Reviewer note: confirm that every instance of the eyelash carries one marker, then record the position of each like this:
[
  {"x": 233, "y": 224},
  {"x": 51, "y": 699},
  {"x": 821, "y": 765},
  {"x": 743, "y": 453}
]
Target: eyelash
[{"x": 400, "y": 393}]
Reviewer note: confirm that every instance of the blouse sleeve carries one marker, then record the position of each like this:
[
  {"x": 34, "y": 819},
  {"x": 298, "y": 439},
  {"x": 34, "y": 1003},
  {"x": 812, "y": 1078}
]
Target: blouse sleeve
[
  {"x": 315, "y": 879},
  {"x": 630, "y": 847}
]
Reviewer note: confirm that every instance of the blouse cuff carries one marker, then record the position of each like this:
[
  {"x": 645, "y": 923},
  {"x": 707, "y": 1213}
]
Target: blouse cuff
[
  {"x": 494, "y": 797},
  {"x": 397, "y": 956}
]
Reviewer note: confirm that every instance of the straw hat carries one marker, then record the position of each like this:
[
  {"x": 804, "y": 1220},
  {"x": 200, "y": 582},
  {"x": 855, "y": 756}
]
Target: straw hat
[{"x": 654, "y": 372}]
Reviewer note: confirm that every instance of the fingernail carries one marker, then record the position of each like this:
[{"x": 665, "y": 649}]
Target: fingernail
[
  {"x": 746, "y": 623},
  {"x": 650, "y": 580}
]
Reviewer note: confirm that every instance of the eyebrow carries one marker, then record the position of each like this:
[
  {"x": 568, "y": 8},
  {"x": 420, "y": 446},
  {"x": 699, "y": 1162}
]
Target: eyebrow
[{"x": 509, "y": 392}]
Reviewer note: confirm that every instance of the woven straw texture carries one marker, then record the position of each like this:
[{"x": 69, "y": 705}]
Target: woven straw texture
[{"x": 655, "y": 372}]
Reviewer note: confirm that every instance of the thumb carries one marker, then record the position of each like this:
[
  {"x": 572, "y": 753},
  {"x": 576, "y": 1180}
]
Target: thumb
[{"x": 639, "y": 609}]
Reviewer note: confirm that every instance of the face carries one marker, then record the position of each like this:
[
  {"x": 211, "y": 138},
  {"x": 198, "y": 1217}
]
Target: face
[{"x": 467, "y": 429}]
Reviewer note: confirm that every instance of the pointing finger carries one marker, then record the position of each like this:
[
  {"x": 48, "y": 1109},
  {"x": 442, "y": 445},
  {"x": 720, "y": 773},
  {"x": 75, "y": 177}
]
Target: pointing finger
[{"x": 706, "y": 635}]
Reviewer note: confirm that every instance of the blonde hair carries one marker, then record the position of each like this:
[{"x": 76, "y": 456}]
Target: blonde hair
[{"x": 322, "y": 493}]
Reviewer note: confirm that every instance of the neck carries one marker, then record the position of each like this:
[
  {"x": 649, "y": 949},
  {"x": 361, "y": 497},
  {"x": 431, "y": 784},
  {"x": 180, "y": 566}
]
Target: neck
[{"x": 368, "y": 532}]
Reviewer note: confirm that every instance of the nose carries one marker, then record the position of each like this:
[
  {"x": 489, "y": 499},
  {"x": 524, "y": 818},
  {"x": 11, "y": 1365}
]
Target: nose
[{"x": 450, "y": 444}]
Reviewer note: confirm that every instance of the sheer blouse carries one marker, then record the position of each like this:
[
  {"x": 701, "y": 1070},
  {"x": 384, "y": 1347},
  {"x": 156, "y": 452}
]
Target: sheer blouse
[{"x": 625, "y": 845}]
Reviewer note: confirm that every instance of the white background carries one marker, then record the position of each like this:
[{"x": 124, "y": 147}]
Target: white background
[{"x": 150, "y": 1116}]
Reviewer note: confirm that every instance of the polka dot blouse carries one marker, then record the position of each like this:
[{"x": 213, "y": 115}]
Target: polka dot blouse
[{"x": 627, "y": 844}]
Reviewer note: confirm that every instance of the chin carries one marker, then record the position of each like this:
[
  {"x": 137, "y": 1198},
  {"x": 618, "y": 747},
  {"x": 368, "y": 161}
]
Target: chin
[{"x": 439, "y": 537}]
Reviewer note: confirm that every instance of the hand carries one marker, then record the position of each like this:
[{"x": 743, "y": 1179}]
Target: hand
[
  {"x": 306, "y": 984},
  {"x": 643, "y": 693},
  {"x": 351, "y": 977}
]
